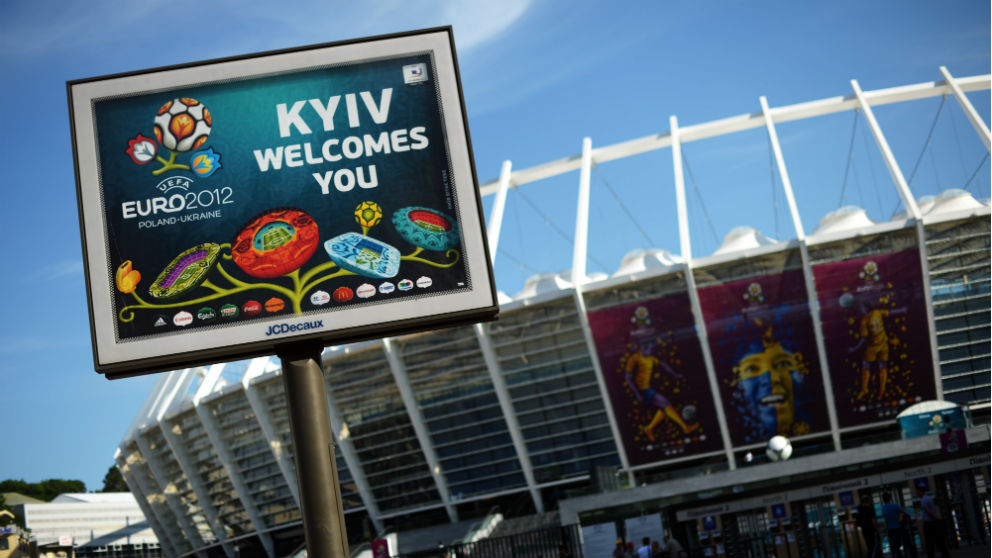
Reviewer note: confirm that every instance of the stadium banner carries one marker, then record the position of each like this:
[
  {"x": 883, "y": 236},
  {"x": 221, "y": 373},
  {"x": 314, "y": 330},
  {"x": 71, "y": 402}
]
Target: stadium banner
[
  {"x": 320, "y": 194},
  {"x": 877, "y": 335},
  {"x": 764, "y": 351},
  {"x": 655, "y": 375}
]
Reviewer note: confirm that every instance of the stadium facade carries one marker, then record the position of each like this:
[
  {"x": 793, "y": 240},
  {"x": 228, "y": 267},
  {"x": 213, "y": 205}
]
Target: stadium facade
[{"x": 530, "y": 410}]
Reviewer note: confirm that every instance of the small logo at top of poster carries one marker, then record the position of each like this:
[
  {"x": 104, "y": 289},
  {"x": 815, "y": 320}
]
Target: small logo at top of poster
[
  {"x": 415, "y": 74},
  {"x": 640, "y": 317},
  {"x": 753, "y": 294},
  {"x": 641, "y": 321},
  {"x": 870, "y": 272},
  {"x": 181, "y": 125}
]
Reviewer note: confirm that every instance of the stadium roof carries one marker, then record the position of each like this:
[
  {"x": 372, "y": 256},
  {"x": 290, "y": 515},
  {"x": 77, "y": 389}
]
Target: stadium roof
[{"x": 94, "y": 498}]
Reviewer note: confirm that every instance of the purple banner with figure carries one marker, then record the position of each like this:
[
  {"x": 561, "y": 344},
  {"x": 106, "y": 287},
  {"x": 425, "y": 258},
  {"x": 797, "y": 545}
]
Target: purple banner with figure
[
  {"x": 877, "y": 335},
  {"x": 654, "y": 372},
  {"x": 764, "y": 351}
]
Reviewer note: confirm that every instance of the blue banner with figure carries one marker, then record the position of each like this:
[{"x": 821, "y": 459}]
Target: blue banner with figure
[{"x": 764, "y": 351}]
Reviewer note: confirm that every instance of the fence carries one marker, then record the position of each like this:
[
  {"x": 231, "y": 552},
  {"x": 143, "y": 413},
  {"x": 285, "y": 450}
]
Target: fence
[{"x": 541, "y": 543}]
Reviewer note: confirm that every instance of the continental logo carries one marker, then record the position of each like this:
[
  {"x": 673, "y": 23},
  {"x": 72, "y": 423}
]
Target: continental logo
[{"x": 280, "y": 329}]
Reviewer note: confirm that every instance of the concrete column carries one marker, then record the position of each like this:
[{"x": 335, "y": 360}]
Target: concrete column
[{"x": 398, "y": 368}]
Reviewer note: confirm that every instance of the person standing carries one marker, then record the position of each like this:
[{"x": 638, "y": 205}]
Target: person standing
[
  {"x": 645, "y": 550},
  {"x": 896, "y": 524},
  {"x": 933, "y": 524},
  {"x": 674, "y": 547},
  {"x": 866, "y": 522},
  {"x": 618, "y": 551}
]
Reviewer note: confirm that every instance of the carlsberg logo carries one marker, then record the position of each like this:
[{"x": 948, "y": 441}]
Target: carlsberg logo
[{"x": 279, "y": 329}]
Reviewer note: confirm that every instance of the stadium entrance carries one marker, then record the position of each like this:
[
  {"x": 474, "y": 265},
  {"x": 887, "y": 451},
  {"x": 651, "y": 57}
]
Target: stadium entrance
[{"x": 810, "y": 506}]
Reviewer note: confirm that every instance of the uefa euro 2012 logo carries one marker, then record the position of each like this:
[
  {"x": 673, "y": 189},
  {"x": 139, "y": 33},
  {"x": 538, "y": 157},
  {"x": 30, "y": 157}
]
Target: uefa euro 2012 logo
[
  {"x": 869, "y": 272},
  {"x": 753, "y": 294},
  {"x": 182, "y": 125}
]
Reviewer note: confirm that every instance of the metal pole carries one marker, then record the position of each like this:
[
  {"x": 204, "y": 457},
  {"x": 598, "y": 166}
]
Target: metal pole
[
  {"x": 685, "y": 245},
  {"x": 969, "y": 110},
  {"x": 316, "y": 470},
  {"x": 914, "y": 211},
  {"x": 582, "y": 217},
  {"x": 496, "y": 214},
  {"x": 814, "y": 306}
]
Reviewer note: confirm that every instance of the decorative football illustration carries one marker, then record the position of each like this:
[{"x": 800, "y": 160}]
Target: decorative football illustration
[
  {"x": 277, "y": 242},
  {"x": 186, "y": 271},
  {"x": 426, "y": 228},
  {"x": 182, "y": 124},
  {"x": 368, "y": 214}
]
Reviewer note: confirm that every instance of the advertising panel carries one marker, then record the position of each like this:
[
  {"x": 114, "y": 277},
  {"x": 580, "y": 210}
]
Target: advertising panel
[
  {"x": 935, "y": 421},
  {"x": 764, "y": 351},
  {"x": 637, "y": 528},
  {"x": 655, "y": 375},
  {"x": 324, "y": 194},
  {"x": 877, "y": 335},
  {"x": 599, "y": 539}
]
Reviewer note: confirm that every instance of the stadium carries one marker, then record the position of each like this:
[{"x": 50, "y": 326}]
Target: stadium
[{"x": 601, "y": 402}]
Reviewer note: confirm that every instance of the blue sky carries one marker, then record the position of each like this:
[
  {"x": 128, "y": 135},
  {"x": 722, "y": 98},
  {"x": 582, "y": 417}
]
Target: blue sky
[{"x": 538, "y": 77}]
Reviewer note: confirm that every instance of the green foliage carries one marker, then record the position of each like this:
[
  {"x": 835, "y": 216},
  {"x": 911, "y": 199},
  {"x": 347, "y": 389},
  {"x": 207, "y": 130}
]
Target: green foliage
[
  {"x": 113, "y": 481},
  {"x": 45, "y": 490},
  {"x": 11, "y": 485},
  {"x": 8, "y": 515}
]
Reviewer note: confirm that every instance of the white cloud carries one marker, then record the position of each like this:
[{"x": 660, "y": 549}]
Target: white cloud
[
  {"x": 37, "y": 345},
  {"x": 478, "y": 22},
  {"x": 27, "y": 32},
  {"x": 229, "y": 27},
  {"x": 54, "y": 271}
]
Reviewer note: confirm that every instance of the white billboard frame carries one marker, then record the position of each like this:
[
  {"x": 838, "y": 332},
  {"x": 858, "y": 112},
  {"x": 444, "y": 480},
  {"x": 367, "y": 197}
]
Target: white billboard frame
[{"x": 146, "y": 353}]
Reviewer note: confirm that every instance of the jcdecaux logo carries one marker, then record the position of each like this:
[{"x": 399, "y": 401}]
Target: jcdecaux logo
[{"x": 279, "y": 329}]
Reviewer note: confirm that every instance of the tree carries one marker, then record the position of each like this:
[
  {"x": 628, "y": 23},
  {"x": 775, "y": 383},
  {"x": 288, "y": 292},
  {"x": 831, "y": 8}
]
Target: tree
[
  {"x": 4, "y": 518},
  {"x": 50, "y": 488},
  {"x": 7, "y": 514},
  {"x": 113, "y": 481},
  {"x": 45, "y": 490},
  {"x": 12, "y": 485}
]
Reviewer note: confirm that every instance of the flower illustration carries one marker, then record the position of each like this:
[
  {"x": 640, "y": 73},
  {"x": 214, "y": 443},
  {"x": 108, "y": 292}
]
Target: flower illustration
[
  {"x": 127, "y": 278},
  {"x": 141, "y": 149},
  {"x": 204, "y": 163}
]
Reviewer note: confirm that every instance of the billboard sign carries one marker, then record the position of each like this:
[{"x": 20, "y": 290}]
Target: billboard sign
[
  {"x": 936, "y": 421},
  {"x": 655, "y": 375},
  {"x": 876, "y": 334},
  {"x": 764, "y": 350},
  {"x": 325, "y": 193}
]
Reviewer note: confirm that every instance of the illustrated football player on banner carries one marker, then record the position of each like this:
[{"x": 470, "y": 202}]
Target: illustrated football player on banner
[
  {"x": 638, "y": 372},
  {"x": 876, "y": 335},
  {"x": 875, "y": 341}
]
